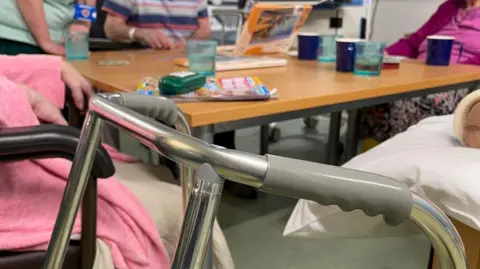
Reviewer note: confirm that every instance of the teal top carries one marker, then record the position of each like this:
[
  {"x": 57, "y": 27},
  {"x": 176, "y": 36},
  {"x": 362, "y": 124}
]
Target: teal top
[{"x": 59, "y": 13}]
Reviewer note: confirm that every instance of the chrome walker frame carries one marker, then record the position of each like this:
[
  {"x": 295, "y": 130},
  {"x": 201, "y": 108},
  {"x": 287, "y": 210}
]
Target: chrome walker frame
[{"x": 201, "y": 194}]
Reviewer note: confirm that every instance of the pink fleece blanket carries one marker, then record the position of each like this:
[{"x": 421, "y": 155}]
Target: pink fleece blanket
[{"x": 32, "y": 190}]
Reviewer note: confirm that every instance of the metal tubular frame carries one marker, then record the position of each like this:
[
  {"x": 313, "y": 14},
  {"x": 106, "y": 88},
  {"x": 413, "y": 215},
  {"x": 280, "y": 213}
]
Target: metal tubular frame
[
  {"x": 198, "y": 221},
  {"x": 233, "y": 165},
  {"x": 440, "y": 231}
]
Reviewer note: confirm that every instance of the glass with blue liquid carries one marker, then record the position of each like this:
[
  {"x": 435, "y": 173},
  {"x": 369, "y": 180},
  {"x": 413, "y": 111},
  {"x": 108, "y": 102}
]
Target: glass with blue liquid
[
  {"x": 327, "y": 50},
  {"x": 369, "y": 58},
  {"x": 201, "y": 57},
  {"x": 76, "y": 46}
]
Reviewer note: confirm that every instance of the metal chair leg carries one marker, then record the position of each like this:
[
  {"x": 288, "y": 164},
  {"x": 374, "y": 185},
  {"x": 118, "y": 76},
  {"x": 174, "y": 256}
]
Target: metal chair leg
[
  {"x": 333, "y": 156},
  {"x": 88, "y": 245}
]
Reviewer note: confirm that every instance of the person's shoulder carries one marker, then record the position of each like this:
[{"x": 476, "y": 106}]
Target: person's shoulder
[
  {"x": 451, "y": 4},
  {"x": 448, "y": 8}
]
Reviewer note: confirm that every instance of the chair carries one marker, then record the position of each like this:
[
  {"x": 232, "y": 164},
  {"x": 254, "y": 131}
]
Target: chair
[{"x": 54, "y": 141}]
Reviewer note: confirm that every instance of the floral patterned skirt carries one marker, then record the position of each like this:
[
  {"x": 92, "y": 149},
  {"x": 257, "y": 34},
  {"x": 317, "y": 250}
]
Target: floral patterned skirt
[{"x": 382, "y": 122}]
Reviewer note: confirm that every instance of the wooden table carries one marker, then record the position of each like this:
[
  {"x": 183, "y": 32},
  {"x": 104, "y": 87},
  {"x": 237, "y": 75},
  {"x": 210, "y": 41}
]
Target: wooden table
[{"x": 304, "y": 88}]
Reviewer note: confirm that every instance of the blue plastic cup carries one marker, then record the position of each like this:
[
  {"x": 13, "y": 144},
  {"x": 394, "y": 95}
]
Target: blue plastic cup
[
  {"x": 308, "y": 46},
  {"x": 439, "y": 50},
  {"x": 346, "y": 54},
  {"x": 201, "y": 57},
  {"x": 76, "y": 46}
]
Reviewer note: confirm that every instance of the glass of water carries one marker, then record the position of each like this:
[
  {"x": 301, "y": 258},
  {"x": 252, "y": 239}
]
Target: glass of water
[
  {"x": 327, "y": 50},
  {"x": 76, "y": 46},
  {"x": 369, "y": 58},
  {"x": 201, "y": 56}
]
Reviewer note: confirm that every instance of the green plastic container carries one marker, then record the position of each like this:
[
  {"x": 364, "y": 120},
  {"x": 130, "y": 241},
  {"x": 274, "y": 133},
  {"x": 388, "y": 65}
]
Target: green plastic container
[{"x": 181, "y": 83}]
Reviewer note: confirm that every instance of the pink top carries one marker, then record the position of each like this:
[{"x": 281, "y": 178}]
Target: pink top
[{"x": 449, "y": 20}]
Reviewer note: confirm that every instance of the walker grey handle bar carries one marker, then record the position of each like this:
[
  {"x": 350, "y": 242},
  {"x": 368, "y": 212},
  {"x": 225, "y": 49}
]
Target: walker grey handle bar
[{"x": 331, "y": 185}]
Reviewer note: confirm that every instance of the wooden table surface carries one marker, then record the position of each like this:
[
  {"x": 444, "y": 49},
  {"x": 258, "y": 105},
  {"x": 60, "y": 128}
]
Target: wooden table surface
[{"x": 301, "y": 85}]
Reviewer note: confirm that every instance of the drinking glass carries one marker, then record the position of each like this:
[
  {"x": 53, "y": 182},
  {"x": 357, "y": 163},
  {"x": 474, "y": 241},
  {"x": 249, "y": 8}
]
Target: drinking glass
[
  {"x": 76, "y": 46},
  {"x": 201, "y": 56},
  {"x": 369, "y": 58},
  {"x": 327, "y": 50}
]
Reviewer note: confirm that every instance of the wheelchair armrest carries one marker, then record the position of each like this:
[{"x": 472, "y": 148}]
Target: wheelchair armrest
[{"x": 49, "y": 141}]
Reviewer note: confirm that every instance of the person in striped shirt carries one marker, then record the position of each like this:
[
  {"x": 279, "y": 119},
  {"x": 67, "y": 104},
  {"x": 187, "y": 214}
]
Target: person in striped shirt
[{"x": 159, "y": 24}]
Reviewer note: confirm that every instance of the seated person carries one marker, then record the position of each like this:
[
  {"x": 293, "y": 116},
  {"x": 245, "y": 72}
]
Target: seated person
[
  {"x": 166, "y": 25},
  {"x": 134, "y": 229},
  {"x": 37, "y": 27},
  {"x": 458, "y": 18}
]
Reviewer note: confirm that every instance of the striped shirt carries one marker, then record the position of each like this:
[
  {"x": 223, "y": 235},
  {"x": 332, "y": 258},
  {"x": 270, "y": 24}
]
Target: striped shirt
[{"x": 178, "y": 18}]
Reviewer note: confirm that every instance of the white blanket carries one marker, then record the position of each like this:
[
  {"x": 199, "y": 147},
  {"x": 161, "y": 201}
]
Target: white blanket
[{"x": 428, "y": 158}]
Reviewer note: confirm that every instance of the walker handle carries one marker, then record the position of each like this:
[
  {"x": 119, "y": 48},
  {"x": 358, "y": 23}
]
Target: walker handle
[
  {"x": 346, "y": 188},
  {"x": 157, "y": 107}
]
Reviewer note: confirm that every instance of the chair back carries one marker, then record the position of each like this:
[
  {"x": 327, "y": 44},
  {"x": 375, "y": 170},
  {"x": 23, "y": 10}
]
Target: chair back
[{"x": 97, "y": 30}]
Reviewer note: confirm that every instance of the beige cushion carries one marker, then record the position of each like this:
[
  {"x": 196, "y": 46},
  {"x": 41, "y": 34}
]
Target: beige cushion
[{"x": 160, "y": 193}]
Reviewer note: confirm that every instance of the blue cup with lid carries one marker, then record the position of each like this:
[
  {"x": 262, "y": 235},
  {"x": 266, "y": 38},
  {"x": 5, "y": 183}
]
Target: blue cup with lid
[
  {"x": 345, "y": 61},
  {"x": 439, "y": 50},
  {"x": 308, "y": 46}
]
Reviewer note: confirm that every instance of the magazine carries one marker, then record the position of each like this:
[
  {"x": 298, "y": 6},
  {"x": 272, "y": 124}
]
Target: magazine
[
  {"x": 216, "y": 89},
  {"x": 270, "y": 29}
]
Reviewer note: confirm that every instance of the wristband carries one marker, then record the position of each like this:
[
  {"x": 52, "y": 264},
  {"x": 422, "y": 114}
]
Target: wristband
[
  {"x": 131, "y": 34},
  {"x": 84, "y": 13}
]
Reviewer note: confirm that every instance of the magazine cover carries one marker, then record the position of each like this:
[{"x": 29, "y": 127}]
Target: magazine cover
[
  {"x": 215, "y": 89},
  {"x": 271, "y": 29}
]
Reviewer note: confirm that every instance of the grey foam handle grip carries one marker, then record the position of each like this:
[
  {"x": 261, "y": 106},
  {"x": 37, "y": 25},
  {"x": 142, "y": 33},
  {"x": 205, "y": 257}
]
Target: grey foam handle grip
[
  {"x": 156, "y": 107},
  {"x": 330, "y": 185}
]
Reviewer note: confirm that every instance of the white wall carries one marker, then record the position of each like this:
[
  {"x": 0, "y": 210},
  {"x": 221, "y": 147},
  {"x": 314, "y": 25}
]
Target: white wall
[
  {"x": 398, "y": 17},
  {"x": 393, "y": 19},
  {"x": 319, "y": 21}
]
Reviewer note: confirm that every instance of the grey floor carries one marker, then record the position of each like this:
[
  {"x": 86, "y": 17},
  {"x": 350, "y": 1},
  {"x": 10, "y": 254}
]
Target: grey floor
[{"x": 254, "y": 228}]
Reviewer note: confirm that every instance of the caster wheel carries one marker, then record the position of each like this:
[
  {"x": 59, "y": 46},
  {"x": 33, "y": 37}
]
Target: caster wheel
[
  {"x": 310, "y": 122},
  {"x": 274, "y": 135}
]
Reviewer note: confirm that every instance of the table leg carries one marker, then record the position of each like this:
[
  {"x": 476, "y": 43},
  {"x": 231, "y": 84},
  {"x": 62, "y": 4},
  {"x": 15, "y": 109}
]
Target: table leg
[
  {"x": 264, "y": 133},
  {"x": 206, "y": 133},
  {"x": 352, "y": 134},
  {"x": 333, "y": 157}
]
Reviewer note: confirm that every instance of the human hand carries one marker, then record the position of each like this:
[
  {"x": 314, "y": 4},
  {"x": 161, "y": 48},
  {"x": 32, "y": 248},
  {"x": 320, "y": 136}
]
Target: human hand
[
  {"x": 180, "y": 43},
  {"x": 43, "y": 108},
  {"x": 78, "y": 85},
  {"x": 51, "y": 47},
  {"x": 154, "y": 38}
]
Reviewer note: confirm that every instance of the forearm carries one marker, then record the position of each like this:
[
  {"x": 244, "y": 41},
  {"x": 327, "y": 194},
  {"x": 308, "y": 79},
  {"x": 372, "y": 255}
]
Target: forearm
[
  {"x": 34, "y": 16},
  {"x": 202, "y": 35},
  {"x": 204, "y": 31},
  {"x": 117, "y": 31}
]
